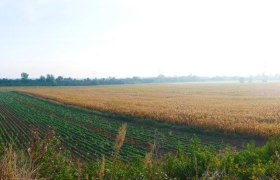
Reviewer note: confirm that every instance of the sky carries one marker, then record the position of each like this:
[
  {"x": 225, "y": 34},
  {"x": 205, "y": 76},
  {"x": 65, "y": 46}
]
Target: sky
[{"x": 125, "y": 38}]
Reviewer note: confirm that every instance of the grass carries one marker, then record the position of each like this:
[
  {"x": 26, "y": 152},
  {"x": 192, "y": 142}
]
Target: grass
[
  {"x": 15, "y": 165},
  {"x": 46, "y": 160},
  {"x": 236, "y": 108}
]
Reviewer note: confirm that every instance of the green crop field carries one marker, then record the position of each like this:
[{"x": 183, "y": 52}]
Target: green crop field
[{"x": 90, "y": 134}]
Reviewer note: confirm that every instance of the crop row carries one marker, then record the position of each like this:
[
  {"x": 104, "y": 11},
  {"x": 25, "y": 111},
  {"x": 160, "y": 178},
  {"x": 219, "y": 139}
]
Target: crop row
[
  {"x": 83, "y": 142},
  {"x": 143, "y": 133},
  {"x": 87, "y": 134}
]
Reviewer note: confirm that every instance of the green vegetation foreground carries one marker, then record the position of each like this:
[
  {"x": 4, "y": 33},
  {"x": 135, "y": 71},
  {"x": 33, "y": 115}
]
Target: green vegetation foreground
[{"x": 46, "y": 159}]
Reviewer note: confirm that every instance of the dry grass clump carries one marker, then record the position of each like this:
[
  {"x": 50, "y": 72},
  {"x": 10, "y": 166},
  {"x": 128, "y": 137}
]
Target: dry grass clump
[
  {"x": 119, "y": 141},
  {"x": 15, "y": 166},
  {"x": 244, "y": 108},
  {"x": 148, "y": 161},
  {"x": 102, "y": 169}
]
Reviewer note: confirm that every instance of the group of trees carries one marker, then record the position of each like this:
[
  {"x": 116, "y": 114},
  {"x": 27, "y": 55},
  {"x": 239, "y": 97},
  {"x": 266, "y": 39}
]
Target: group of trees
[
  {"x": 263, "y": 78},
  {"x": 51, "y": 80}
]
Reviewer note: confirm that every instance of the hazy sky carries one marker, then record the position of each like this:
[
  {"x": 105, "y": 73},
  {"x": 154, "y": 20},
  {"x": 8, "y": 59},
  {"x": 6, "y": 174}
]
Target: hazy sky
[{"x": 90, "y": 38}]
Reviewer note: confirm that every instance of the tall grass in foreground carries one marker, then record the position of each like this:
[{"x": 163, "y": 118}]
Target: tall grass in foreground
[
  {"x": 119, "y": 141},
  {"x": 15, "y": 166},
  {"x": 46, "y": 159}
]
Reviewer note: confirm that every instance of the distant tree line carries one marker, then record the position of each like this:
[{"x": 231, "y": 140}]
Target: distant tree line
[{"x": 51, "y": 80}]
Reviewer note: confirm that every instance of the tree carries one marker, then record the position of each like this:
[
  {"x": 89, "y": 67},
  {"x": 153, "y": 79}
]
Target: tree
[
  {"x": 50, "y": 78},
  {"x": 24, "y": 76},
  {"x": 42, "y": 79},
  {"x": 59, "y": 79}
]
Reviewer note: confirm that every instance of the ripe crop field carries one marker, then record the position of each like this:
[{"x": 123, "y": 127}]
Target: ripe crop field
[
  {"x": 252, "y": 109},
  {"x": 89, "y": 134}
]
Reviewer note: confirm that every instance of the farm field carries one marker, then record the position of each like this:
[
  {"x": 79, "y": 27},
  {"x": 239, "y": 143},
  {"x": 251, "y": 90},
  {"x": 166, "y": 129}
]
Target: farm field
[
  {"x": 90, "y": 134},
  {"x": 252, "y": 109}
]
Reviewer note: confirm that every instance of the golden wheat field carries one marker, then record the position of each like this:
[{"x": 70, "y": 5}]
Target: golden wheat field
[{"x": 245, "y": 108}]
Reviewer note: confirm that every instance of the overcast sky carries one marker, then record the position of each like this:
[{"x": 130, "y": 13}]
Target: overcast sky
[{"x": 123, "y": 38}]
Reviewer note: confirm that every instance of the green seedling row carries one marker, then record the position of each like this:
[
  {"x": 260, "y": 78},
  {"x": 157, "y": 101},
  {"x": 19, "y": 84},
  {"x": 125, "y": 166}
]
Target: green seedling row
[{"x": 88, "y": 134}]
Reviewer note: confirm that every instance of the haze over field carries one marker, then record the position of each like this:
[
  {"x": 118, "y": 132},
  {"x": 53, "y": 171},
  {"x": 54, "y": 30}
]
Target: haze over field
[{"x": 139, "y": 38}]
